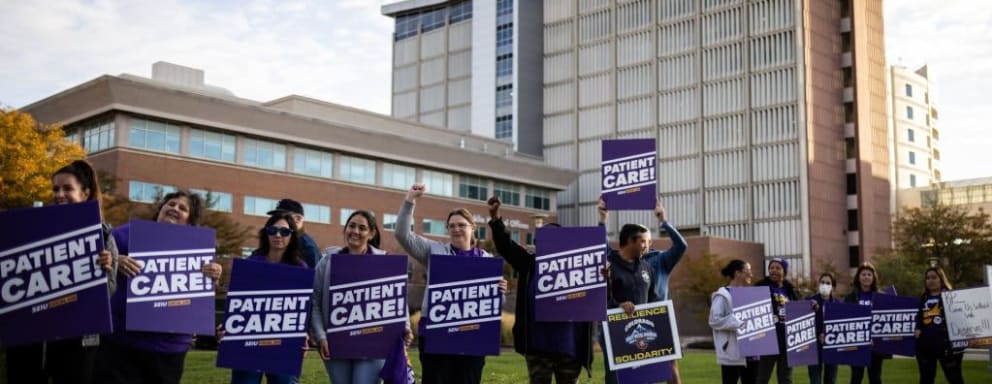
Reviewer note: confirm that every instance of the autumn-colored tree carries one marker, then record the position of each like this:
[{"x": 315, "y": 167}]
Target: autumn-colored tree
[
  {"x": 695, "y": 279},
  {"x": 960, "y": 241},
  {"x": 30, "y": 153}
]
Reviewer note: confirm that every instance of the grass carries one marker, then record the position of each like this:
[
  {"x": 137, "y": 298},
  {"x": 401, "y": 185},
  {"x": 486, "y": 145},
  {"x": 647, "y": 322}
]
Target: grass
[{"x": 696, "y": 367}]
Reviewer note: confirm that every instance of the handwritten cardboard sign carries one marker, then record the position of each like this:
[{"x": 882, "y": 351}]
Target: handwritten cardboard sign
[{"x": 969, "y": 316}]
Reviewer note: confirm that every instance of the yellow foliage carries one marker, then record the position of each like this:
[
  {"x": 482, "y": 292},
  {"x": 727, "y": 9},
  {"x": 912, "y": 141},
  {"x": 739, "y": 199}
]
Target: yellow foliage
[{"x": 29, "y": 153}]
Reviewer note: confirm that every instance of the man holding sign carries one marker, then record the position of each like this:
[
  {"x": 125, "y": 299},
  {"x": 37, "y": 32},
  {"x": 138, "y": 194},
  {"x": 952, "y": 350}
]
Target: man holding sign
[{"x": 558, "y": 348}]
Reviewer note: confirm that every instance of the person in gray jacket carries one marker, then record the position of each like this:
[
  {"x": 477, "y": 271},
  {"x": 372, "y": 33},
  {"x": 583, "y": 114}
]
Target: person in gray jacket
[
  {"x": 733, "y": 366},
  {"x": 361, "y": 234},
  {"x": 441, "y": 368}
]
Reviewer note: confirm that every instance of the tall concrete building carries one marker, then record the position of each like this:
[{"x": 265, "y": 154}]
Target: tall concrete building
[
  {"x": 470, "y": 66},
  {"x": 770, "y": 116},
  {"x": 912, "y": 130}
]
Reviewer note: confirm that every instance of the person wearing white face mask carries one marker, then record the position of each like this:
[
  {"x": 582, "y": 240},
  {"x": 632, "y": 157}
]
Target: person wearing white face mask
[{"x": 823, "y": 373}]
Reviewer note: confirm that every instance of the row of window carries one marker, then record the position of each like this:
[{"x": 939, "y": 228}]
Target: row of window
[
  {"x": 164, "y": 137},
  {"x": 409, "y": 25}
]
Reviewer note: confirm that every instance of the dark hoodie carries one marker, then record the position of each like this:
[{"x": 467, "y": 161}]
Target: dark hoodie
[
  {"x": 630, "y": 281},
  {"x": 780, "y": 296}
]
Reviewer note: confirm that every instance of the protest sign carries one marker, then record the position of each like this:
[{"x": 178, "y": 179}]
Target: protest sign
[
  {"x": 265, "y": 326},
  {"x": 569, "y": 284},
  {"x": 170, "y": 294},
  {"x": 800, "y": 334},
  {"x": 847, "y": 334},
  {"x": 968, "y": 314},
  {"x": 50, "y": 285},
  {"x": 464, "y": 305},
  {"x": 753, "y": 307},
  {"x": 893, "y": 320},
  {"x": 629, "y": 174},
  {"x": 366, "y": 304},
  {"x": 649, "y": 335}
]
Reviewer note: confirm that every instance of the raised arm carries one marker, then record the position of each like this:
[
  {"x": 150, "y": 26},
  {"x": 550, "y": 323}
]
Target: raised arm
[
  {"x": 666, "y": 260},
  {"x": 518, "y": 257},
  {"x": 415, "y": 245}
]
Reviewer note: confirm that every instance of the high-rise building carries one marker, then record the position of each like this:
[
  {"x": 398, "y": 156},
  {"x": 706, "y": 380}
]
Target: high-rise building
[
  {"x": 912, "y": 131},
  {"x": 470, "y": 66},
  {"x": 770, "y": 116}
]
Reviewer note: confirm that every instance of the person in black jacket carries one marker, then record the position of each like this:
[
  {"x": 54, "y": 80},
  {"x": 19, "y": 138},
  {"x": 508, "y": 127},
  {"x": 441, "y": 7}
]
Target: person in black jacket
[
  {"x": 782, "y": 292},
  {"x": 862, "y": 293},
  {"x": 932, "y": 343},
  {"x": 559, "y": 349}
]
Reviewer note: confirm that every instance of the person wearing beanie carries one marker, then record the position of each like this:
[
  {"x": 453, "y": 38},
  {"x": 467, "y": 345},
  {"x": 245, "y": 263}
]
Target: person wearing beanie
[{"x": 782, "y": 292}]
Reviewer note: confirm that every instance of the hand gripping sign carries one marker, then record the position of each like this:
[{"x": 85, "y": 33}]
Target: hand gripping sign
[
  {"x": 464, "y": 305},
  {"x": 48, "y": 274},
  {"x": 569, "y": 284},
  {"x": 629, "y": 174}
]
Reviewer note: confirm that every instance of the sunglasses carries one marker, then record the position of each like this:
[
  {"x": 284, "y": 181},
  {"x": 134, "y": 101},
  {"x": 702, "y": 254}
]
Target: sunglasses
[{"x": 281, "y": 231}]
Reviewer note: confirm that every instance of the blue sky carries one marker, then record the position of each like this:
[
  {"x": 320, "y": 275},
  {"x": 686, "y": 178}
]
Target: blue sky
[{"x": 340, "y": 51}]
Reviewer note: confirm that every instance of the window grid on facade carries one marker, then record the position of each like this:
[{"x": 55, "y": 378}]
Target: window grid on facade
[
  {"x": 434, "y": 227},
  {"x": 910, "y": 135},
  {"x": 471, "y": 187},
  {"x": 912, "y": 157},
  {"x": 317, "y": 213},
  {"x": 504, "y": 96},
  {"x": 460, "y": 11},
  {"x": 508, "y": 193},
  {"x": 356, "y": 170},
  {"x": 432, "y": 20},
  {"x": 147, "y": 192},
  {"x": 398, "y": 176},
  {"x": 212, "y": 145},
  {"x": 98, "y": 136},
  {"x": 438, "y": 183},
  {"x": 504, "y": 39},
  {"x": 538, "y": 199},
  {"x": 216, "y": 201},
  {"x": 909, "y": 90},
  {"x": 504, "y": 65},
  {"x": 265, "y": 154},
  {"x": 313, "y": 163},
  {"x": 259, "y": 206},
  {"x": 480, "y": 233},
  {"x": 909, "y": 112},
  {"x": 389, "y": 221},
  {"x": 154, "y": 135},
  {"x": 345, "y": 213},
  {"x": 504, "y": 127},
  {"x": 912, "y": 181}
]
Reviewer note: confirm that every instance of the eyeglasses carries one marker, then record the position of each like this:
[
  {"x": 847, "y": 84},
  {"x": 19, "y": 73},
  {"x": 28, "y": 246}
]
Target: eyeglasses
[
  {"x": 458, "y": 225},
  {"x": 281, "y": 231}
]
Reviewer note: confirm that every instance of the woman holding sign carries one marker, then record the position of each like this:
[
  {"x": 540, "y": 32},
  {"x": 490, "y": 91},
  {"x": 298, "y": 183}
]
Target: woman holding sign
[
  {"x": 442, "y": 368},
  {"x": 361, "y": 235},
  {"x": 68, "y": 360},
  {"x": 278, "y": 242},
  {"x": 782, "y": 292},
  {"x": 139, "y": 357},
  {"x": 864, "y": 289},
  {"x": 733, "y": 366},
  {"x": 932, "y": 343},
  {"x": 823, "y": 373}
]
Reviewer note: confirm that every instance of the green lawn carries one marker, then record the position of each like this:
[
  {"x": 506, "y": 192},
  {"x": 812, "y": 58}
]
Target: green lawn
[{"x": 696, "y": 367}]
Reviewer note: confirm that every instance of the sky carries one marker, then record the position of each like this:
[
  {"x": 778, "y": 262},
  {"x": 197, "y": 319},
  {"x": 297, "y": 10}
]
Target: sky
[{"x": 340, "y": 51}]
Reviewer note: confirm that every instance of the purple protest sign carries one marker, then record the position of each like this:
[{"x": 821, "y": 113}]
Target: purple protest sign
[
  {"x": 48, "y": 274},
  {"x": 800, "y": 334},
  {"x": 753, "y": 307},
  {"x": 629, "y": 174},
  {"x": 847, "y": 334},
  {"x": 170, "y": 294},
  {"x": 569, "y": 284},
  {"x": 648, "y": 336},
  {"x": 464, "y": 305},
  {"x": 893, "y": 321},
  {"x": 367, "y": 305},
  {"x": 265, "y": 325}
]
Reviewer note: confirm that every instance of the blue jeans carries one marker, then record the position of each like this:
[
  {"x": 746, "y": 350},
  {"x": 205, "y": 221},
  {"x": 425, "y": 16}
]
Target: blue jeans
[
  {"x": 254, "y": 377},
  {"x": 354, "y": 371},
  {"x": 823, "y": 374}
]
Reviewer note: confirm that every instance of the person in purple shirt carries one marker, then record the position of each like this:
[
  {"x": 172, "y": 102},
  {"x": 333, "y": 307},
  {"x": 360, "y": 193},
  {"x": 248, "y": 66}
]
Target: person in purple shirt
[
  {"x": 864, "y": 289},
  {"x": 823, "y": 373},
  {"x": 278, "y": 242},
  {"x": 782, "y": 292},
  {"x": 148, "y": 357}
]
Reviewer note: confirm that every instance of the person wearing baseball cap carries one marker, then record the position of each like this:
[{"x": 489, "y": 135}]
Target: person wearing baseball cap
[{"x": 311, "y": 252}]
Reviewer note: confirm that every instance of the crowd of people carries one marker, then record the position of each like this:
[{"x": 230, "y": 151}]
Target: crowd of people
[{"x": 635, "y": 274}]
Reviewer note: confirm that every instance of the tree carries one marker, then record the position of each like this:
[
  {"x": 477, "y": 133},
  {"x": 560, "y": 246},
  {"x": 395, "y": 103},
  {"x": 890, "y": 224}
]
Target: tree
[
  {"x": 698, "y": 278},
  {"x": 959, "y": 241},
  {"x": 29, "y": 154}
]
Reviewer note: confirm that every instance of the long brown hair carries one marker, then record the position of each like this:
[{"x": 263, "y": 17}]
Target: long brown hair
[
  {"x": 85, "y": 175},
  {"x": 293, "y": 254}
]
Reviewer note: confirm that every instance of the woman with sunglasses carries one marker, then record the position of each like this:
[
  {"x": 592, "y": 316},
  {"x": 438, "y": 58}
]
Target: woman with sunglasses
[
  {"x": 932, "y": 343},
  {"x": 278, "y": 243},
  {"x": 361, "y": 236},
  {"x": 149, "y": 357},
  {"x": 442, "y": 368},
  {"x": 67, "y": 360}
]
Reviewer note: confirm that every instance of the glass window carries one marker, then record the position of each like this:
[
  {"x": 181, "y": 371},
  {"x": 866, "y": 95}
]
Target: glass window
[
  {"x": 434, "y": 227},
  {"x": 98, "y": 136},
  {"x": 909, "y": 90},
  {"x": 264, "y": 154},
  {"x": 154, "y": 135},
  {"x": 910, "y": 135},
  {"x": 71, "y": 136},
  {"x": 438, "y": 183},
  {"x": 345, "y": 212},
  {"x": 216, "y": 201},
  {"x": 909, "y": 112},
  {"x": 316, "y": 213},
  {"x": 515, "y": 236},
  {"x": 398, "y": 176},
  {"x": 471, "y": 187},
  {"x": 407, "y": 26},
  {"x": 389, "y": 222},
  {"x": 480, "y": 232},
  {"x": 147, "y": 192},
  {"x": 211, "y": 145},
  {"x": 504, "y": 11},
  {"x": 508, "y": 193},
  {"x": 912, "y": 157},
  {"x": 504, "y": 96},
  {"x": 538, "y": 199},
  {"x": 530, "y": 238},
  {"x": 504, "y": 127},
  {"x": 504, "y": 39},
  {"x": 259, "y": 206},
  {"x": 433, "y": 19},
  {"x": 912, "y": 180},
  {"x": 357, "y": 170},
  {"x": 313, "y": 163},
  {"x": 504, "y": 65},
  {"x": 460, "y": 11}
]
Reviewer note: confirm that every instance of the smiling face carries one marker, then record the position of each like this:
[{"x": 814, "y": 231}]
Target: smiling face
[
  {"x": 743, "y": 276},
  {"x": 175, "y": 211},
  {"x": 66, "y": 189},
  {"x": 933, "y": 282},
  {"x": 775, "y": 272},
  {"x": 867, "y": 278},
  {"x": 358, "y": 232},
  {"x": 460, "y": 231},
  {"x": 276, "y": 240}
]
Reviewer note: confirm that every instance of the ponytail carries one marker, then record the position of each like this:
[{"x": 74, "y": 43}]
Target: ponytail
[
  {"x": 732, "y": 268},
  {"x": 84, "y": 173}
]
